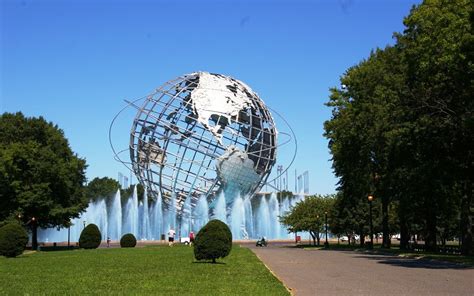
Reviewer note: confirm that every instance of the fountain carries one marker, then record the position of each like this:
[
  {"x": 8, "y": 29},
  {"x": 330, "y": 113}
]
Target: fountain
[
  {"x": 131, "y": 214},
  {"x": 96, "y": 212},
  {"x": 263, "y": 220},
  {"x": 249, "y": 225},
  {"x": 201, "y": 213},
  {"x": 171, "y": 221},
  {"x": 248, "y": 217},
  {"x": 220, "y": 212},
  {"x": 237, "y": 219},
  {"x": 284, "y": 208},
  {"x": 156, "y": 219},
  {"x": 146, "y": 234},
  {"x": 274, "y": 209},
  {"x": 114, "y": 230},
  {"x": 186, "y": 218}
]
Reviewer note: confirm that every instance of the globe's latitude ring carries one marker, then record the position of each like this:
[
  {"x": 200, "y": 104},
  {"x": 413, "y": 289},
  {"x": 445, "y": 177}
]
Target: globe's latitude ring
[{"x": 201, "y": 134}]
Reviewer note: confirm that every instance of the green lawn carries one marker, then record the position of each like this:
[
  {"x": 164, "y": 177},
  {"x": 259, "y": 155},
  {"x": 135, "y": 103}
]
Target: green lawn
[{"x": 157, "y": 270}]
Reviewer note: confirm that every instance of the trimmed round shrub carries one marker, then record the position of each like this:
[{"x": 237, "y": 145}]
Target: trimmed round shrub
[
  {"x": 13, "y": 240},
  {"x": 213, "y": 241},
  {"x": 90, "y": 237},
  {"x": 128, "y": 241}
]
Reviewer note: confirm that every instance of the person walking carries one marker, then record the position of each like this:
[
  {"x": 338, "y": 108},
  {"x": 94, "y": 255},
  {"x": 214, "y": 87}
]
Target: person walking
[
  {"x": 191, "y": 238},
  {"x": 171, "y": 235}
]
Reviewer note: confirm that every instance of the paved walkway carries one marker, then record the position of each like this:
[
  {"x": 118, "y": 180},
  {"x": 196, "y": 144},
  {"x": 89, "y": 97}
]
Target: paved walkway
[{"x": 322, "y": 272}]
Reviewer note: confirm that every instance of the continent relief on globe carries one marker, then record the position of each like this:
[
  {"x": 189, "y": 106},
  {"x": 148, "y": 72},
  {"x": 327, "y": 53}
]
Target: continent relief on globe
[
  {"x": 235, "y": 169},
  {"x": 218, "y": 95}
]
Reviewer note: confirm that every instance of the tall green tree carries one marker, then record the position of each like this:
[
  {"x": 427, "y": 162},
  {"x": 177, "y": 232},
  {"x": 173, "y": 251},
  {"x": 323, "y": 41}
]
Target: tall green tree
[
  {"x": 364, "y": 118},
  {"x": 309, "y": 215},
  {"x": 41, "y": 178},
  {"x": 402, "y": 125},
  {"x": 437, "y": 47}
]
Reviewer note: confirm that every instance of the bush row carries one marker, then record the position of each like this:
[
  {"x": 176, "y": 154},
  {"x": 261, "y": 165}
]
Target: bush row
[{"x": 213, "y": 241}]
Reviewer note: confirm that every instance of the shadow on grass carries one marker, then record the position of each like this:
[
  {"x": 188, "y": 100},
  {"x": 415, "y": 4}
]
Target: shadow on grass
[
  {"x": 25, "y": 255},
  {"x": 209, "y": 262}
]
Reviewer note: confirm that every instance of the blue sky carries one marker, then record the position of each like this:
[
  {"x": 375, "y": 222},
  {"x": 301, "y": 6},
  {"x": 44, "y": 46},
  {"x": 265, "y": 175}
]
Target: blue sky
[{"x": 74, "y": 62}]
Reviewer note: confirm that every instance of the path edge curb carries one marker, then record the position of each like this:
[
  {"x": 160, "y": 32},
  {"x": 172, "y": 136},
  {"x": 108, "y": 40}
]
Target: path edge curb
[{"x": 274, "y": 274}]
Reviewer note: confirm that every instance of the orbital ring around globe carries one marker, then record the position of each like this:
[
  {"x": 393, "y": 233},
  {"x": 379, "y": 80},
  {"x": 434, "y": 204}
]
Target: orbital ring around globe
[{"x": 202, "y": 134}]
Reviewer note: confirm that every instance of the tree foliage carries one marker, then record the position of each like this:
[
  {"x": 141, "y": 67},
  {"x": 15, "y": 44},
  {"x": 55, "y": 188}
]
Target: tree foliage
[
  {"x": 401, "y": 127},
  {"x": 101, "y": 188},
  {"x": 13, "y": 239},
  {"x": 40, "y": 176},
  {"x": 213, "y": 241},
  {"x": 128, "y": 241},
  {"x": 309, "y": 215},
  {"x": 90, "y": 237},
  {"x": 125, "y": 193}
]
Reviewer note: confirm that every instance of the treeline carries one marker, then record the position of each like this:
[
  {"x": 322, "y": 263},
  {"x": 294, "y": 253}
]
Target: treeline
[
  {"x": 402, "y": 130},
  {"x": 42, "y": 181},
  {"x": 41, "y": 178},
  {"x": 106, "y": 187}
]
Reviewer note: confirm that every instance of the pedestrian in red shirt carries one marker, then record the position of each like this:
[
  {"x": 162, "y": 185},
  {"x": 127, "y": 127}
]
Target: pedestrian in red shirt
[{"x": 191, "y": 238}]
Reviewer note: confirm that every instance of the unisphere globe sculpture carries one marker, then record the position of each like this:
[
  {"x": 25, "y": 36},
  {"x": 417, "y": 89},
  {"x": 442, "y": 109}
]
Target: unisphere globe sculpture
[{"x": 200, "y": 134}]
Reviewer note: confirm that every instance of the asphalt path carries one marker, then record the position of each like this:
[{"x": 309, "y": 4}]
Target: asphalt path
[{"x": 331, "y": 272}]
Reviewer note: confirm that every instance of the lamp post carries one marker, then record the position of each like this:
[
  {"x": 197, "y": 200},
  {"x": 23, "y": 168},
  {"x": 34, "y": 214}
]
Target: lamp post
[
  {"x": 326, "y": 244},
  {"x": 279, "y": 187},
  {"x": 68, "y": 233},
  {"x": 317, "y": 217},
  {"x": 370, "y": 198},
  {"x": 34, "y": 238},
  {"x": 84, "y": 222}
]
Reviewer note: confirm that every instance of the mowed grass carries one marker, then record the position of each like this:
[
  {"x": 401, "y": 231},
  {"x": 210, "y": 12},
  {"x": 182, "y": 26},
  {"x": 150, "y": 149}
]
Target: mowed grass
[{"x": 158, "y": 270}]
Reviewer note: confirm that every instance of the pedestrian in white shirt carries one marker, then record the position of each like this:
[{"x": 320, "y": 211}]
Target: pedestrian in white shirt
[{"x": 171, "y": 235}]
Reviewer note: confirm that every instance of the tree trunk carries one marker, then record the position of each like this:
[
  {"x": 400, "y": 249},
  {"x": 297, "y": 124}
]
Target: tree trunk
[
  {"x": 361, "y": 235},
  {"x": 313, "y": 237},
  {"x": 404, "y": 235},
  {"x": 317, "y": 237},
  {"x": 467, "y": 220},
  {"x": 385, "y": 229},
  {"x": 213, "y": 260},
  {"x": 430, "y": 239}
]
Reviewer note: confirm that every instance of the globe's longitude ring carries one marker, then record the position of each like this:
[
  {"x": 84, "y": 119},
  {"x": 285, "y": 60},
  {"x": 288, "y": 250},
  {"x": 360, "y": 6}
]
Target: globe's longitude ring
[{"x": 199, "y": 134}]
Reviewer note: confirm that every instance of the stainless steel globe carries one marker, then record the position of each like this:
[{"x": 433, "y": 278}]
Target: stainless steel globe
[{"x": 199, "y": 134}]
